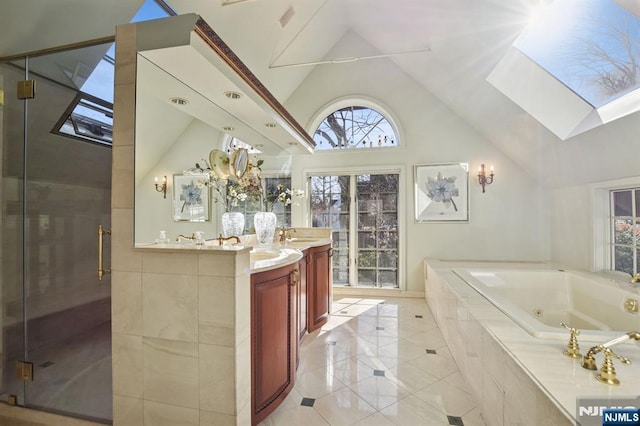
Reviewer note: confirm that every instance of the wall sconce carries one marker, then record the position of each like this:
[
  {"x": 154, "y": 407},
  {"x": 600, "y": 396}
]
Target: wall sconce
[
  {"x": 483, "y": 179},
  {"x": 161, "y": 187}
]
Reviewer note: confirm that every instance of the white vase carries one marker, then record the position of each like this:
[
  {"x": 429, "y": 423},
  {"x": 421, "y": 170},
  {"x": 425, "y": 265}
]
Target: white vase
[
  {"x": 232, "y": 224},
  {"x": 265, "y": 224}
]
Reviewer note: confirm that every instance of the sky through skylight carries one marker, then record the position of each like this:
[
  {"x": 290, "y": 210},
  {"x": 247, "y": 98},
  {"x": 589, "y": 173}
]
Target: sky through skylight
[{"x": 591, "y": 46}]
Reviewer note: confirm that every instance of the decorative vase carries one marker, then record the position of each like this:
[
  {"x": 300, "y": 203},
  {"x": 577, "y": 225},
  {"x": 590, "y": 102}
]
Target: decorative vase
[
  {"x": 265, "y": 224},
  {"x": 232, "y": 224}
]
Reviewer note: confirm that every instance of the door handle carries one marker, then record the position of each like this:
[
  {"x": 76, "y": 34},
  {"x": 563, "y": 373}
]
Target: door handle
[{"x": 101, "y": 233}]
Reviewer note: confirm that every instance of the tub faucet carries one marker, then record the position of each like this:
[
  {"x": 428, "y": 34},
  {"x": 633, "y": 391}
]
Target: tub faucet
[
  {"x": 589, "y": 360},
  {"x": 635, "y": 279}
]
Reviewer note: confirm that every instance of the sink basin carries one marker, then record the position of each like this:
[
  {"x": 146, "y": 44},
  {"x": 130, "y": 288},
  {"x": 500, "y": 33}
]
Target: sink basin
[
  {"x": 256, "y": 256},
  {"x": 262, "y": 259}
]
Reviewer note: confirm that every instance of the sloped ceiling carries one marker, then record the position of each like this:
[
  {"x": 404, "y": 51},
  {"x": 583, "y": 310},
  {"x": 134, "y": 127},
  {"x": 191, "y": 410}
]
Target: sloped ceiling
[{"x": 448, "y": 46}]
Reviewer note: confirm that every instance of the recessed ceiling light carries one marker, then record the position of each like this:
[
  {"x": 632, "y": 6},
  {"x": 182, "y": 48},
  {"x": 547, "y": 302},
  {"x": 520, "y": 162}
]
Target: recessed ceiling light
[
  {"x": 232, "y": 95},
  {"x": 179, "y": 101},
  {"x": 259, "y": 145},
  {"x": 270, "y": 125},
  {"x": 228, "y": 128}
]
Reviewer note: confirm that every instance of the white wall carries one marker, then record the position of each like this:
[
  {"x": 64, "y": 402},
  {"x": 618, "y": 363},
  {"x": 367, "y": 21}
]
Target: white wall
[
  {"x": 508, "y": 222},
  {"x": 571, "y": 227}
]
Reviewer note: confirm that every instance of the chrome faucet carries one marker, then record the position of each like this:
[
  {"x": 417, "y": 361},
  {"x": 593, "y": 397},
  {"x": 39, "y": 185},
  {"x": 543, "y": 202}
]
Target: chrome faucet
[
  {"x": 285, "y": 233},
  {"x": 221, "y": 239}
]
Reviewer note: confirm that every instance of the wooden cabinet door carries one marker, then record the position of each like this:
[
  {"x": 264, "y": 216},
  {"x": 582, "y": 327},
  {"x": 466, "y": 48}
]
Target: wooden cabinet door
[
  {"x": 319, "y": 287},
  {"x": 274, "y": 338},
  {"x": 302, "y": 294}
]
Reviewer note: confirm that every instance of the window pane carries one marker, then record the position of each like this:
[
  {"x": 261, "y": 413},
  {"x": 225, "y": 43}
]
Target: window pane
[
  {"x": 366, "y": 277},
  {"x": 366, "y": 259},
  {"x": 387, "y": 259},
  {"x": 622, "y": 203},
  {"x": 354, "y": 127},
  {"x": 637, "y": 194},
  {"x": 366, "y": 239},
  {"x": 388, "y": 279},
  {"x": 387, "y": 239},
  {"x": 623, "y": 259},
  {"x": 623, "y": 231}
]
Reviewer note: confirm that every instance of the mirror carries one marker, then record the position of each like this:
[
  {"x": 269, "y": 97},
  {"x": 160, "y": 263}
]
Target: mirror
[{"x": 191, "y": 102}]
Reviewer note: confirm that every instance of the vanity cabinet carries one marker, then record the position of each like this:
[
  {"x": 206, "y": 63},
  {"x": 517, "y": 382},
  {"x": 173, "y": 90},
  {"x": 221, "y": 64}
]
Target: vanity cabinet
[
  {"x": 274, "y": 338},
  {"x": 319, "y": 281}
]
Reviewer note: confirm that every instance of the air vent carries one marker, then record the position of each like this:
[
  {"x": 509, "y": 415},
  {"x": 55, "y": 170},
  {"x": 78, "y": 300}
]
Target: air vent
[{"x": 286, "y": 16}]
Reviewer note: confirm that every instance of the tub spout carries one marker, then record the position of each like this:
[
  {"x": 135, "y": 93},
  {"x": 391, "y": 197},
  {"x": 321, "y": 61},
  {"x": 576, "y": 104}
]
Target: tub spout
[{"x": 589, "y": 360}]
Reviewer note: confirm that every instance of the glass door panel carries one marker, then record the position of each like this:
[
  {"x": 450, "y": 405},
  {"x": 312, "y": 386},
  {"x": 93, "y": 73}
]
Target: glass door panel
[
  {"x": 377, "y": 225},
  {"x": 330, "y": 207},
  {"x": 12, "y": 113},
  {"x": 68, "y": 195}
]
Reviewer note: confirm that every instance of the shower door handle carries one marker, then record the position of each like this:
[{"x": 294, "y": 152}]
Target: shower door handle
[{"x": 101, "y": 233}]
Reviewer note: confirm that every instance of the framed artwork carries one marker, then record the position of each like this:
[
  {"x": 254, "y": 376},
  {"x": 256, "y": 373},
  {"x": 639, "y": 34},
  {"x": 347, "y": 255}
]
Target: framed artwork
[
  {"x": 441, "y": 192},
  {"x": 191, "y": 202}
]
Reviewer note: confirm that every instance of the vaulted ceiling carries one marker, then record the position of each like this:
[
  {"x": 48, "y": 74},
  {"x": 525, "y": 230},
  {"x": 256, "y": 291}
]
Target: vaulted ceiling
[{"x": 447, "y": 46}]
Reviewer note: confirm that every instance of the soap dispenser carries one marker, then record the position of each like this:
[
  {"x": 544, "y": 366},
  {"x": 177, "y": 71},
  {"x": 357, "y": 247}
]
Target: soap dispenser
[{"x": 163, "y": 238}]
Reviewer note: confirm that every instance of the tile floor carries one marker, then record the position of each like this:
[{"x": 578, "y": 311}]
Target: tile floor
[{"x": 378, "y": 361}]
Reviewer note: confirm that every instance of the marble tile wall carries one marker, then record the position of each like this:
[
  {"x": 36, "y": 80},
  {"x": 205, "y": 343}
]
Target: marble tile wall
[
  {"x": 503, "y": 391},
  {"x": 181, "y": 321}
]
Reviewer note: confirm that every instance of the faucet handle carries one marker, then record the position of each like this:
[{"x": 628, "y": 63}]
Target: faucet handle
[
  {"x": 573, "y": 348},
  {"x": 607, "y": 371}
]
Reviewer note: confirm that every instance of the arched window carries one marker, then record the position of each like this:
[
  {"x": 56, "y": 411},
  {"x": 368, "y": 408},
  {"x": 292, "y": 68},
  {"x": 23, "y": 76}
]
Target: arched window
[{"x": 355, "y": 126}]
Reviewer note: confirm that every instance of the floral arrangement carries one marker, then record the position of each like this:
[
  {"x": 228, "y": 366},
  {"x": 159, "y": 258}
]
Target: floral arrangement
[
  {"x": 232, "y": 192},
  {"x": 280, "y": 194}
]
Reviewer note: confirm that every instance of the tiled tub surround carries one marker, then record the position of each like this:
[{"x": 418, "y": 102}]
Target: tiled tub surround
[{"x": 515, "y": 377}]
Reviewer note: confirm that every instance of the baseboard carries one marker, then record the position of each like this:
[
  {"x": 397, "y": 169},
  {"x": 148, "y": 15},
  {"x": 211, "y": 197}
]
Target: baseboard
[{"x": 385, "y": 292}]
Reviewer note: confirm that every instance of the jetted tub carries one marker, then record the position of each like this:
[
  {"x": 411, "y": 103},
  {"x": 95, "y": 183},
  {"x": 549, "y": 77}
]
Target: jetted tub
[{"x": 539, "y": 300}]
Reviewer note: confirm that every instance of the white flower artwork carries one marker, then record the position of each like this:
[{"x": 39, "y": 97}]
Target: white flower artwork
[{"x": 441, "y": 192}]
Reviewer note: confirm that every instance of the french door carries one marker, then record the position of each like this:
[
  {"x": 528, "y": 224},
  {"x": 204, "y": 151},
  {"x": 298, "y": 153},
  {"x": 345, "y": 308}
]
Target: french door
[{"x": 362, "y": 210}]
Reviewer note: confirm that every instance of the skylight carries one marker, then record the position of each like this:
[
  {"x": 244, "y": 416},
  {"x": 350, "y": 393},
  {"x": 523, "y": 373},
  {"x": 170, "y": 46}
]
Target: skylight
[
  {"x": 590, "y": 46},
  {"x": 90, "y": 116}
]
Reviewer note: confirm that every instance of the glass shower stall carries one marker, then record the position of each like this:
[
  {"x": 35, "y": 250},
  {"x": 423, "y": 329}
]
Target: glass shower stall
[{"x": 55, "y": 188}]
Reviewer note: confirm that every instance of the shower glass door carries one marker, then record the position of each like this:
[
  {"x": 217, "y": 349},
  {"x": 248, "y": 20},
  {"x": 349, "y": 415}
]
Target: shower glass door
[{"x": 66, "y": 195}]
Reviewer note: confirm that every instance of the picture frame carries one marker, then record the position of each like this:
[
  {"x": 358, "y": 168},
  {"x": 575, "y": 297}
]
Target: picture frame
[
  {"x": 441, "y": 192},
  {"x": 191, "y": 198}
]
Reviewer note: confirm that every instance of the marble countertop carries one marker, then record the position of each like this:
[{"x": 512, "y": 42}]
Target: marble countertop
[
  {"x": 260, "y": 258},
  {"x": 562, "y": 378}
]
